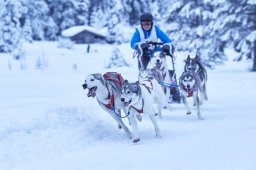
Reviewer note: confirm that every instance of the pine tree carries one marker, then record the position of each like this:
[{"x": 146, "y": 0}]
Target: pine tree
[
  {"x": 116, "y": 59},
  {"x": 63, "y": 13},
  {"x": 43, "y": 26},
  {"x": 27, "y": 31},
  {"x": 81, "y": 7},
  {"x": 10, "y": 30},
  {"x": 113, "y": 20},
  {"x": 208, "y": 27}
]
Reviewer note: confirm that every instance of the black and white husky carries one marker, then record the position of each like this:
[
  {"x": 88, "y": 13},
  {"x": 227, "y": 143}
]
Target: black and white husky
[
  {"x": 107, "y": 90},
  {"x": 158, "y": 62},
  {"x": 194, "y": 64},
  {"x": 189, "y": 83},
  {"x": 138, "y": 99}
]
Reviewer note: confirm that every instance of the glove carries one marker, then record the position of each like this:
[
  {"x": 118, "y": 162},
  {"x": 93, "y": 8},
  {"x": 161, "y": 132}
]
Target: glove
[{"x": 168, "y": 49}]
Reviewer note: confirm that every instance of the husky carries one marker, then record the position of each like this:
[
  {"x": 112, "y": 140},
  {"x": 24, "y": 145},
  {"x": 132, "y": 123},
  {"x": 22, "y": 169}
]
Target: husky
[
  {"x": 158, "y": 62},
  {"x": 194, "y": 64},
  {"x": 189, "y": 83},
  {"x": 106, "y": 88},
  {"x": 150, "y": 78},
  {"x": 138, "y": 99}
]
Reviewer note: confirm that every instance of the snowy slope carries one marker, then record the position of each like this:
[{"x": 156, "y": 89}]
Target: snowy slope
[{"x": 47, "y": 121}]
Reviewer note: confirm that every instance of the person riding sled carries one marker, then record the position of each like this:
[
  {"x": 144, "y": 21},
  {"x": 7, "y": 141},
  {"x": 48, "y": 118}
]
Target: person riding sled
[
  {"x": 146, "y": 34},
  {"x": 147, "y": 31}
]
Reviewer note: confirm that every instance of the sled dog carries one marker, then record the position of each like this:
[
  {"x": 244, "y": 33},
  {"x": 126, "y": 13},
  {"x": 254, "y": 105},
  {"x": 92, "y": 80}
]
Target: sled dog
[
  {"x": 194, "y": 64},
  {"x": 138, "y": 99},
  {"x": 150, "y": 78},
  {"x": 189, "y": 83},
  {"x": 107, "y": 90},
  {"x": 158, "y": 62}
]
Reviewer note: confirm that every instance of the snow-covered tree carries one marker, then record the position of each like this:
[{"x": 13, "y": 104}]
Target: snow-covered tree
[
  {"x": 27, "y": 31},
  {"x": 98, "y": 18},
  {"x": 63, "y": 13},
  {"x": 134, "y": 8},
  {"x": 81, "y": 8},
  {"x": 116, "y": 59},
  {"x": 42, "y": 24},
  {"x": 208, "y": 27},
  {"x": 112, "y": 21},
  {"x": 10, "y": 30}
]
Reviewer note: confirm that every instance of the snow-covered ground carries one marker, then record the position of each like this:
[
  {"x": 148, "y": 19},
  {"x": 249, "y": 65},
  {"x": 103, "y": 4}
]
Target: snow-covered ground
[{"x": 48, "y": 123}]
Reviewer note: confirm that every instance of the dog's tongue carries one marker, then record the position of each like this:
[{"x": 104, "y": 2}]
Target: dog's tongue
[
  {"x": 91, "y": 93},
  {"x": 126, "y": 103}
]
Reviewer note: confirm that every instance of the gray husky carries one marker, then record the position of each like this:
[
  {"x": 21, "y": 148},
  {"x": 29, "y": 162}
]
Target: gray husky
[
  {"x": 138, "y": 99},
  {"x": 107, "y": 90},
  {"x": 189, "y": 83},
  {"x": 194, "y": 64}
]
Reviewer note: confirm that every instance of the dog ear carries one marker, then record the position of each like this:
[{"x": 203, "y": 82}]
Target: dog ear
[
  {"x": 188, "y": 57},
  {"x": 97, "y": 76},
  {"x": 197, "y": 58},
  {"x": 162, "y": 54},
  {"x": 125, "y": 82}
]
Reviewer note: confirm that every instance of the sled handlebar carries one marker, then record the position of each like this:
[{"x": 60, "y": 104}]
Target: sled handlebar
[{"x": 155, "y": 43}]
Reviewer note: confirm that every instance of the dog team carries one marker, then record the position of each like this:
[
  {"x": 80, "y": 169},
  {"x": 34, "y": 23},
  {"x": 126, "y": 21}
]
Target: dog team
[
  {"x": 116, "y": 95},
  {"x": 156, "y": 86}
]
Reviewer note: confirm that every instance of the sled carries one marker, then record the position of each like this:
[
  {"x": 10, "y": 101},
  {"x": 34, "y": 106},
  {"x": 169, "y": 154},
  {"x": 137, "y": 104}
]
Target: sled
[{"x": 174, "y": 88}]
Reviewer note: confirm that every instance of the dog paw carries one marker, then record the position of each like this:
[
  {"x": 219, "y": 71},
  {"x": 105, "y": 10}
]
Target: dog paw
[
  {"x": 158, "y": 136},
  {"x": 136, "y": 140}
]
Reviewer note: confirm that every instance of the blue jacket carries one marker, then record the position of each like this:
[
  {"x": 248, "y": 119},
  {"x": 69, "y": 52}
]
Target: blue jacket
[{"x": 160, "y": 34}]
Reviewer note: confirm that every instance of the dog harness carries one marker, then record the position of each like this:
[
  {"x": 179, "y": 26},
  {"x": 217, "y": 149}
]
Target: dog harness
[
  {"x": 138, "y": 110},
  {"x": 148, "y": 85},
  {"x": 111, "y": 103},
  {"x": 118, "y": 80}
]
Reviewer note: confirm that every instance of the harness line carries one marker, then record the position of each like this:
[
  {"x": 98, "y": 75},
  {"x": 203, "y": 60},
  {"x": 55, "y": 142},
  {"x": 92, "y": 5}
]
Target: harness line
[{"x": 169, "y": 85}]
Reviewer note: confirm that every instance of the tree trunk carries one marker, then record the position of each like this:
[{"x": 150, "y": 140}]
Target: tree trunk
[{"x": 254, "y": 56}]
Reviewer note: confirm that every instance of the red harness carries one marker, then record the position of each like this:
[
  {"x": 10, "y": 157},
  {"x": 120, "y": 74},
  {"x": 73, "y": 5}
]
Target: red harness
[
  {"x": 117, "y": 79},
  {"x": 108, "y": 76},
  {"x": 111, "y": 103},
  {"x": 138, "y": 110}
]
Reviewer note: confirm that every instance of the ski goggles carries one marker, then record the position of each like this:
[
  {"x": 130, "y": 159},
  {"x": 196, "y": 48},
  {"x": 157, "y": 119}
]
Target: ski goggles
[{"x": 146, "y": 23}]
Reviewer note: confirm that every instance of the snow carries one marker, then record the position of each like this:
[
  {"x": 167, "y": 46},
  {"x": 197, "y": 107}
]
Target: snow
[
  {"x": 48, "y": 122},
  {"x": 77, "y": 29}
]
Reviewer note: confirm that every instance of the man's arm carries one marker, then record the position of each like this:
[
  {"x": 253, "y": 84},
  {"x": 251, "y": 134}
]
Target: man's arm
[
  {"x": 135, "y": 39},
  {"x": 162, "y": 36}
]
